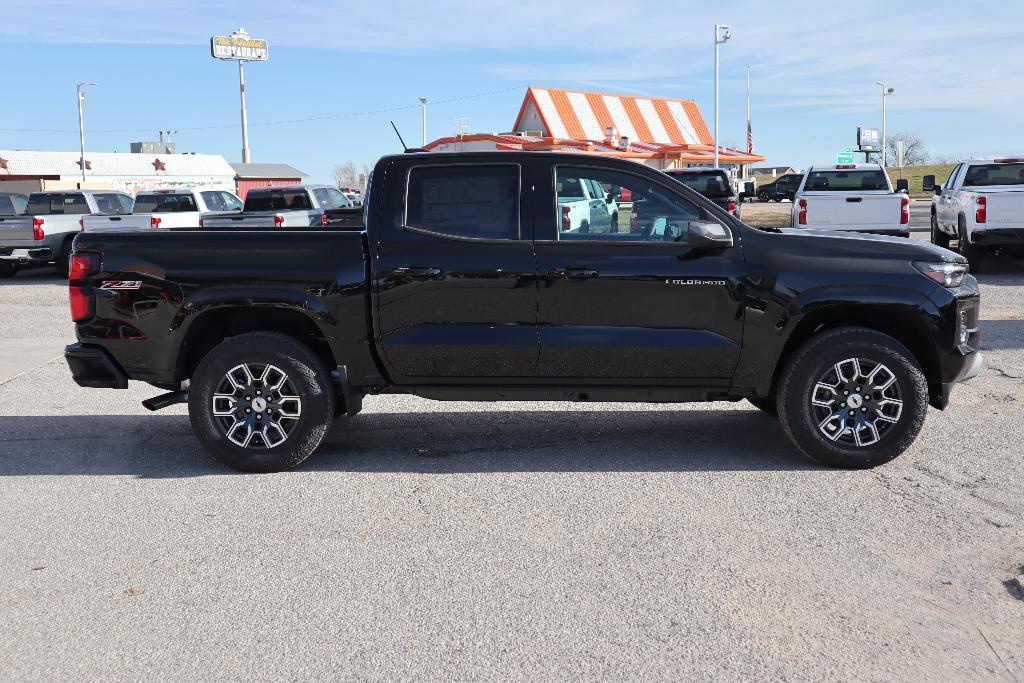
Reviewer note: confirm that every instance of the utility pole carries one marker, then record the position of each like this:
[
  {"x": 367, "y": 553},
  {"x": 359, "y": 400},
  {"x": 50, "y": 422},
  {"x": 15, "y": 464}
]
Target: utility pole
[
  {"x": 81, "y": 127},
  {"x": 423, "y": 103},
  {"x": 722, "y": 35}
]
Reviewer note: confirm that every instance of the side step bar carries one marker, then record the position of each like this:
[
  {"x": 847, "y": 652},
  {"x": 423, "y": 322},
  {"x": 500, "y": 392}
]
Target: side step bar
[{"x": 164, "y": 400}]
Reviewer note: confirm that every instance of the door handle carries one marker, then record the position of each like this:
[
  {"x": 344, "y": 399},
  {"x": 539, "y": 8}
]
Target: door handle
[
  {"x": 417, "y": 271},
  {"x": 573, "y": 273},
  {"x": 853, "y": 199}
]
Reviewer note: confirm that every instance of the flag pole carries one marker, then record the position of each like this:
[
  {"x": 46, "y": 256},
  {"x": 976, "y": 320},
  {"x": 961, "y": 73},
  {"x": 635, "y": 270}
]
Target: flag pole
[{"x": 750, "y": 132}]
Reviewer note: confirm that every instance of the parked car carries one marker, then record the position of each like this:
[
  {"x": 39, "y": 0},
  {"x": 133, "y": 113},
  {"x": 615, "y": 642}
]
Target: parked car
[
  {"x": 781, "y": 188},
  {"x": 464, "y": 286},
  {"x": 296, "y": 207},
  {"x": 981, "y": 206},
  {"x": 12, "y": 203},
  {"x": 166, "y": 210},
  {"x": 851, "y": 197},
  {"x": 586, "y": 207},
  {"x": 713, "y": 183},
  {"x": 52, "y": 219}
]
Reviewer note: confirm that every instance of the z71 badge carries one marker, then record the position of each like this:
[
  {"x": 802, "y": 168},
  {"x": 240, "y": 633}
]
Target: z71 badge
[{"x": 121, "y": 284}]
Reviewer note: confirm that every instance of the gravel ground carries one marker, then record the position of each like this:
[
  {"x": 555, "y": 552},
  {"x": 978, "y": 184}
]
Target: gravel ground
[{"x": 507, "y": 541}]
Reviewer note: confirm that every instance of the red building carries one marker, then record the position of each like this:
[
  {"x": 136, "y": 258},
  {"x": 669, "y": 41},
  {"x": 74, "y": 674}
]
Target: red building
[{"x": 248, "y": 176}]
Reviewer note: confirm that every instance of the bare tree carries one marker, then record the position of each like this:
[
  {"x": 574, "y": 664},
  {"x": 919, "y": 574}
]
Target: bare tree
[
  {"x": 346, "y": 175},
  {"x": 914, "y": 153}
]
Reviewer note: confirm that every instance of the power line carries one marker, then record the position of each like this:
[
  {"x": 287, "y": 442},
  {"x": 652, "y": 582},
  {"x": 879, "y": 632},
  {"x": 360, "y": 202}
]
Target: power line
[{"x": 280, "y": 122}]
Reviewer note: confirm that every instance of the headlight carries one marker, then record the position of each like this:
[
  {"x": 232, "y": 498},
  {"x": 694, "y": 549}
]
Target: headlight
[{"x": 946, "y": 274}]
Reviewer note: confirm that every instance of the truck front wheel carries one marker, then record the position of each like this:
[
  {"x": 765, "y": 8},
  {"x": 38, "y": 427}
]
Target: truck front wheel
[
  {"x": 261, "y": 402},
  {"x": 853, "y": 397}
]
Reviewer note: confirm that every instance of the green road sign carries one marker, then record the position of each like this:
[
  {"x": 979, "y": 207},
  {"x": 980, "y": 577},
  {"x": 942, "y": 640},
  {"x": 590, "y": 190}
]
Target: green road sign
[{"x": 845, "y": 157}]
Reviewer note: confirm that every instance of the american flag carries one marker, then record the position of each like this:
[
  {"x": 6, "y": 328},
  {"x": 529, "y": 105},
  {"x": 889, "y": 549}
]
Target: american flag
[{"x": 750, "y": 138}]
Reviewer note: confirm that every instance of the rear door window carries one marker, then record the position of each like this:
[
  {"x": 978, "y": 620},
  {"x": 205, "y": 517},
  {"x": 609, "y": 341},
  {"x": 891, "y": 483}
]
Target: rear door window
[
  {"x": 467, "y": 201},
  {"x": 57, "y": 204},
  {"x": 214, "y": 201},
  {"x": 277, "y": 200},
  {"x": 231, "y": 202}
]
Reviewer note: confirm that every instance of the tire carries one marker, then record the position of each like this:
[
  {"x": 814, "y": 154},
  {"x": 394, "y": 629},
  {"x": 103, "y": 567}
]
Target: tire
[
  {"x": 777, "y": 199},
  {"x": 762, "y": 197},
  {"x": 615, "y": 222},
  {"x": 303, "y": 402},
  {"x": 766, "y": 404},
  {"x": 63, "y": 260},
  {"x": 970, "y": 252},
  {"x": 8, "y": 269},
  {"x": 896, "y": 411},
  {"x": 584, "y": 227},
  {"x": 939, "y": 238}
]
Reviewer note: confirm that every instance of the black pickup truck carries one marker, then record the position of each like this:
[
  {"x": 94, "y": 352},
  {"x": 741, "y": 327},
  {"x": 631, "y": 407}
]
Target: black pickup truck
[{"x": 467, "y": 283}]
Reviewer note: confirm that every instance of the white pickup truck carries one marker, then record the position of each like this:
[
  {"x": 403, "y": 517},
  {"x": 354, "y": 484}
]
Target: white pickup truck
[
  {"x": 52, "y": 219},
  {"x": 981, "y": 206},
  {"x": 851, "y": 197},
  {"x": 586, "y": 207},
  {"x": 166, "y": 210},
  {"x": 295, "y": 207}
]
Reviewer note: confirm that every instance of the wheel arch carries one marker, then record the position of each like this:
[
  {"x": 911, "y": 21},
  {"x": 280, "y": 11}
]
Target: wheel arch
[{"x": 905, "y": 323}]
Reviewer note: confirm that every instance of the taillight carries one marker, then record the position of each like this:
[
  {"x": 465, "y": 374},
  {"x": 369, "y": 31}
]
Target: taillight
[
  {"x": 802, "y": 216},
  {"x": 905, "y": 211},
  {"x": 81, "y": 225},
  {"x": 278, "y": 221},
  {"x": 323, "y": 221},
  {"x": 200, "y": 222},
  {"x": 37, "y": 228},
  {"x": 154, "y": 221},
  {"x": 981, "y": 215},
  {"x": 566, "y": 223},
  {"x": 731, "y": 207},
  {"x": 79, "y": 297}
]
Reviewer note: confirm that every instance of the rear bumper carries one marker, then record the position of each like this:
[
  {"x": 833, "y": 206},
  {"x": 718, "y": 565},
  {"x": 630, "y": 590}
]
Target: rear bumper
[
  {"x": 93, "y": 367},
  {"x": 998, "y": 237},
  {"x": 26, "y": 255},
  {"x": 902, "y": 231}
]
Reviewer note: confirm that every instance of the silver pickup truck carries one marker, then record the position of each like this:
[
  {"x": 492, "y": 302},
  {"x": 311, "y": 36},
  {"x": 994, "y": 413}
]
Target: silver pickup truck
[
  {"x": 52, "y": 219},
  {"x": 288, "y": 207}
]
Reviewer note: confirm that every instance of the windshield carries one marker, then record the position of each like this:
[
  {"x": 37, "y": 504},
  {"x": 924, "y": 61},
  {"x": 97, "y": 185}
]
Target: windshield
[
  {"x": 842, "y": 181},
  {"x": 277, "y": 200},
  {"x": 164, "y": 203},
  {"x": 981, "y": 175},
  {"x": 708, "y": 183}
]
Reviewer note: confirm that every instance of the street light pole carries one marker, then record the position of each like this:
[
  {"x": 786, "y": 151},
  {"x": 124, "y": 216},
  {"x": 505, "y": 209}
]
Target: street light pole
[
  {"x": 885, "y": 93},
  {"x": 722, "y": 34},
  {"x": 423, "y": 102},
  {"x": 81, "y": 126}
]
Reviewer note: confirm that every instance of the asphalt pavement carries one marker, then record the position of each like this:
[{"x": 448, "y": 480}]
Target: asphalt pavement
[{"x": 512, "y": 541}]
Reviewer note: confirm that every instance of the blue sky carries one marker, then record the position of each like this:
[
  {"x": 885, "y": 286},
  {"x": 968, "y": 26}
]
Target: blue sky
[{"x": 959, "y": 83}]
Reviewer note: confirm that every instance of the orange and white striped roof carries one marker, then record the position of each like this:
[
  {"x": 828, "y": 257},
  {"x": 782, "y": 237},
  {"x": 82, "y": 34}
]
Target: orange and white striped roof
[{"x": 580, "y": 115}]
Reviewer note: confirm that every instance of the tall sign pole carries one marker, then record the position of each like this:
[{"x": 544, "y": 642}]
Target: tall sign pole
[
  {"x": 722, "y": 34},
  {"x": 245, "y": 117},
  {"x": 81, "y": 128},
  {"x": 239, "y": 46}
]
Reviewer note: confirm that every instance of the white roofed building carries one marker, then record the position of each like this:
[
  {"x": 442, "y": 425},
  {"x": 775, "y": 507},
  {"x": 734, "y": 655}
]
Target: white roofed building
[{"x": 128, "y": 172}]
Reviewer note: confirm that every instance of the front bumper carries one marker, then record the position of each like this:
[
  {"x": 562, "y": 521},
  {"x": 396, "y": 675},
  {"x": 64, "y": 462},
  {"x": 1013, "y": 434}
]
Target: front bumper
[
  {"x": 30, "y": 255},
  {"x": 92, "y": 366}
]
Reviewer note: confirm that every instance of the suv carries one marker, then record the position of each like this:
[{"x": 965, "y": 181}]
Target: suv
[{"x": 782, "y": 188}]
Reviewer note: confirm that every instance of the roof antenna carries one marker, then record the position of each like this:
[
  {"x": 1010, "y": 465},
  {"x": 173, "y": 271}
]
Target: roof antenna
[
  {"x": 408, "y": 150},
  {"x": 404, "y": 146}
]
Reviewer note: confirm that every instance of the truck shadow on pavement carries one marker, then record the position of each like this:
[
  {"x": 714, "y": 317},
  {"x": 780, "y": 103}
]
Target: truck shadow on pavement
[{"x": 572, "y": 440}]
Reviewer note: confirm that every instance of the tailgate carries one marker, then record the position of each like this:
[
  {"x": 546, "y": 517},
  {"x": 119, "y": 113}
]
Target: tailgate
[
  {"x": 15, "y": 229},
  {"x": 254, "y": 219},
  {"x": 100, "y": 223},
  {"x": 843, "y": 210},
  {"x": 1005, "y": 207}
]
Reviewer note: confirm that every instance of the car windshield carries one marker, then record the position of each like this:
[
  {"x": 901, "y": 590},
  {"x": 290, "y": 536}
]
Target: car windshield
[
  {"x": 708, "y": 183},
  {"x": 980, "y": 175},
  {"x": 277, "y": 200},
  {"x": 164, "y": 203},
  {"x": 844, "y": 181}
]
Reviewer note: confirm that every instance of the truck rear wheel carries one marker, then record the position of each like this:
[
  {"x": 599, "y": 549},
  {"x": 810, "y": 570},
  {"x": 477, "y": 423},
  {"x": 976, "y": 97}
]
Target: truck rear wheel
[
  {"x": 853, "y": 398},
  {"x": 939, "y": 238},
  {"x": 261, "y": 402},
  {"x": 964, "y": 247}
]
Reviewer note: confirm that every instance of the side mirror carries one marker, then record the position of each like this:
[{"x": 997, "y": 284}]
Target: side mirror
[
  {"x": 928, "y": 183},
  {"x": 903, "y": 185},
  {"x": 938, "y": 189},
  {"x": 706, "y": 235}
]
